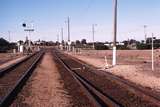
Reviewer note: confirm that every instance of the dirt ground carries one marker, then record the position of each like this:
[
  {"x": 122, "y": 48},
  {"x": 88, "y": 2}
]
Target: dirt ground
[
  {"x": 125, "y": 56},
  {"x": 5, "y": 57},
  {"x": 133, "y": 65},
  {"x": 9, "y": 61},
  {"x": 45, "y": 87}
]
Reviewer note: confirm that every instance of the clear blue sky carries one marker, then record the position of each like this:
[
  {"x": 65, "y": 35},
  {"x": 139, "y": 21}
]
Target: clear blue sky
[{"x": 49, "y": 16}]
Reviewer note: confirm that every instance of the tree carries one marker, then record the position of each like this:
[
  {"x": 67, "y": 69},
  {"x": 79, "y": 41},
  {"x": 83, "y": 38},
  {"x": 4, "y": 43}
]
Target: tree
[
  {"x": 125, "y": 43},
  {"x": 4, "y": 45},
  {"x": 78, "y": 42},
  {"x": 3, "y": 42},
  {"x": 100, "y": 46},
  {"x": 83, "y": 41}
]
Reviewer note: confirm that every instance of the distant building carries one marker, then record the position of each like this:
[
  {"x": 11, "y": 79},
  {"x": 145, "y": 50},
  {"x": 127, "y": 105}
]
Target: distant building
[{"x": 132, "y": 46}]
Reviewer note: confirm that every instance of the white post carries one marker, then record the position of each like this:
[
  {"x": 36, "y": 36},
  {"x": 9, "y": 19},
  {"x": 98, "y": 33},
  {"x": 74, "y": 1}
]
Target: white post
[
  {"x": 114, "y": 56},
  {"x": 114, "y": 32},
  {"x": 106, "y": 63},
  {"x": 21, "y": 49},
  {"x": 69, "y": 46},
  {"x": 18, "y": 46},
  {"x": 14, "y": 51},
  {"x": 73, "y": 50},
  {"x": 152, "y": 54}
]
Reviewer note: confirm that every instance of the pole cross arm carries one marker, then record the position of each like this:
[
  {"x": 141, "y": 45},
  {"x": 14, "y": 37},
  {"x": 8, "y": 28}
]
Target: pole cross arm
[{"x": 30, "y": 30}]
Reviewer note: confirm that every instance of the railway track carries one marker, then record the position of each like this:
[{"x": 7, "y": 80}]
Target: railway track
[
  {"x": 97, "y": 97},
  {"x": 10, "y": 58},
  {"x": 151, "y": 94},
  {"x": 10, "y": 67},
  {"x": 14, "y": 77},
  {"x": 101, "y": 86}
]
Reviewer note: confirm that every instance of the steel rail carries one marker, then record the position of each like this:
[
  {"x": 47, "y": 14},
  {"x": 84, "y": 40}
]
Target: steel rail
[
  {"x": 10, "y": 96},
  {"x": 98, "y": 98},
  {"x": 129, "y": 84},
  {"x": 12, "y": 66}
]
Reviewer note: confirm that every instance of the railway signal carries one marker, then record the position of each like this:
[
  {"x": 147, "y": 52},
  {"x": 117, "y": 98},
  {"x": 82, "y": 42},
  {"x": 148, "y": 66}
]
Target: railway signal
[
  {"x": 24, "y": 24},
  {"x": 28, "y": 28}
]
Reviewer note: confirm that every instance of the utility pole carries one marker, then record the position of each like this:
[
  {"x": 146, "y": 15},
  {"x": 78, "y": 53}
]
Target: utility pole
[
  {"x": 9, "y": 36},
  {"x": 152, "y": 53},
  {"x": 61, "y": 44},
  {"x": 62, "y": 34},
  {"x": 69, "y": 42},
  {"x": 68, "y": 22},
  {"x": 30, "y": 39},
  {"x": 93, "y": 32},
  {"x": 57, "y": 38},
  {"x": 114, "y": 32},
  {"x": 145, "y": 35}
]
